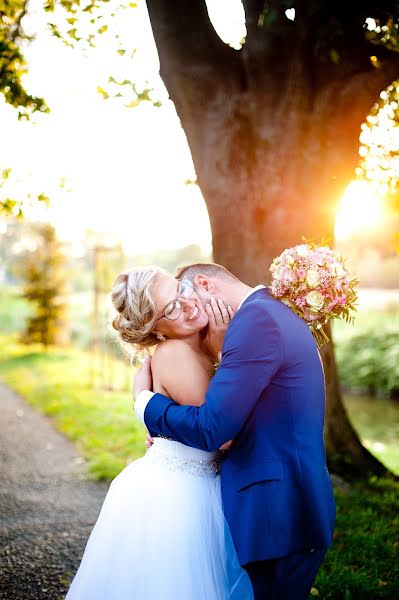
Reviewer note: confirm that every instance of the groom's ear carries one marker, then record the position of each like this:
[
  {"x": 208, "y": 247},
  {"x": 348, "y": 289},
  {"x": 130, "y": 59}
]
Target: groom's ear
[{"x": 204, "y": 283}]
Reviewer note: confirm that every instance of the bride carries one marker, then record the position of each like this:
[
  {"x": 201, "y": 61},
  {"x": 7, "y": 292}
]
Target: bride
[{"x": 161, "y": 532}]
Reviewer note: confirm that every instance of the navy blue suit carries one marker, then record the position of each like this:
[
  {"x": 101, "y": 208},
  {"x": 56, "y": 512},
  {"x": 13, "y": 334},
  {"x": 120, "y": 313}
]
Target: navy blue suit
[{"x": 268, "y": 395}]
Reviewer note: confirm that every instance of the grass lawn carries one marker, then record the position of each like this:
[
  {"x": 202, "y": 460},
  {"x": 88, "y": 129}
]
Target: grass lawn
[
  {"x": 364, "y": 561},
  {"x": 100, "y": 422}
]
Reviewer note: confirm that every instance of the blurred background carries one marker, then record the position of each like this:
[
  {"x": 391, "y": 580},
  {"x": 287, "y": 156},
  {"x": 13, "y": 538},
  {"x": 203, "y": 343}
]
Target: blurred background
[{"x": 99, "y": 177}]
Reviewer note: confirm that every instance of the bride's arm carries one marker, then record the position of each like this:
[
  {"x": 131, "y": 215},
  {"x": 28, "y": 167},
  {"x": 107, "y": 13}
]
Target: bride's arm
[{"x": 178, "y": 373}]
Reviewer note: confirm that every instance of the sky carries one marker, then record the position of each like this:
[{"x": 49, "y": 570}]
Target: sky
[{"x": 124, "y": 169}]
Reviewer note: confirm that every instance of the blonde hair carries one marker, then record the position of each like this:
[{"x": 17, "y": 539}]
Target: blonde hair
[{"x": 131, "y": 297}]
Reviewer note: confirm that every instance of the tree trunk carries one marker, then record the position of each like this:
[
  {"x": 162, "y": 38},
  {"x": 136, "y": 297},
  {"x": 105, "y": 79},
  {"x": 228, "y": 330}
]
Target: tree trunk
[{"x": 273, "y": 152}]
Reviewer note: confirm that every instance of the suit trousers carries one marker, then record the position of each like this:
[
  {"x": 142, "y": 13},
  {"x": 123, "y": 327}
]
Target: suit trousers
[{"x": 286, "y": 578}]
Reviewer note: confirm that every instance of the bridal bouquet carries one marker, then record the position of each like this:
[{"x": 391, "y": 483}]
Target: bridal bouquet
[{"x": 313, "y": 281}]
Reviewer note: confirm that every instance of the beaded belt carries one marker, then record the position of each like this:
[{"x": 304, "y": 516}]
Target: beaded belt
[{"x": 200, "y": 468}]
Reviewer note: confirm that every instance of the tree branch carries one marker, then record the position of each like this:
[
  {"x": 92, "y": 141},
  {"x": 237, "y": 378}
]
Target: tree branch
[
  {"x": 253, "y": 11},
  {"x": 272, "y": 45},
  {"x": 269, "y": 32},
  {"x": 365, "y": 86},
  {"x": 187, "y": 42}
]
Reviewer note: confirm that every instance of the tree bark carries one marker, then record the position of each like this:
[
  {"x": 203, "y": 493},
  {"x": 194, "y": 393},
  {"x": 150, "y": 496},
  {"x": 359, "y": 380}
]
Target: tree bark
[{"x": 274, "y": 138}]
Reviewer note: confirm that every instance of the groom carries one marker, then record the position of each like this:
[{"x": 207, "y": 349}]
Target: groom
[{"x": 268, "y": 395}]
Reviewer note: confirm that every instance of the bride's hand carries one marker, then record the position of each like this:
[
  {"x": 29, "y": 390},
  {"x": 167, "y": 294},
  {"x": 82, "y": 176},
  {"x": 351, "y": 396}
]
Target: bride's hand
[{"x": 219, "y": 316}]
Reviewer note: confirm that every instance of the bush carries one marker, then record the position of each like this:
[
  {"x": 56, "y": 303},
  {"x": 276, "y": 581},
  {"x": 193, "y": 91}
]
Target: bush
[{"x": 368, "y": 362}]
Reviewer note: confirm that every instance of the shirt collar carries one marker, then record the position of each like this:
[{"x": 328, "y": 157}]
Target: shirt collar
[{"x": 252, "y": 291}]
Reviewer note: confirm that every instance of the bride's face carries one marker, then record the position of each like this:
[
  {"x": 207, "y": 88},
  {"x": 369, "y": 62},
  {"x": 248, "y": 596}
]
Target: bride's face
[{"x": 192, "y": 318}]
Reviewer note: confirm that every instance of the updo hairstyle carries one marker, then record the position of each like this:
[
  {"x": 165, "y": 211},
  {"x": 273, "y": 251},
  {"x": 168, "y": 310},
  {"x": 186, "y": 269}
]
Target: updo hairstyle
[{"x": 131, "y": 297}]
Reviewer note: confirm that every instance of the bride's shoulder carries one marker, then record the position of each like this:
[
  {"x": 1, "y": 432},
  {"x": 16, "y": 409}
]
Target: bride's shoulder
[
  {"x": 172, "y": 350},
  {"x": 174, "y": 365}
]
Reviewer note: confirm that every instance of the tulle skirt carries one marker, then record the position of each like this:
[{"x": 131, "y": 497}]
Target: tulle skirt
[{"x": 162, "y": 534}]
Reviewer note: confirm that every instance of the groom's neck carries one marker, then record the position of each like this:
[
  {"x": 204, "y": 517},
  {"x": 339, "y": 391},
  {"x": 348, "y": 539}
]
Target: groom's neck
[{"x": 235, "y": 294}]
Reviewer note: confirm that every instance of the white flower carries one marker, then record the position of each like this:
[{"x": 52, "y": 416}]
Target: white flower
[
  {"x": 338, "y": 270},
  {"x": 289, "y": 260},
  {"x": 302, "y": 250},
  {"x": 312, "y": 278},
  {"x": 315, "y": 300}
]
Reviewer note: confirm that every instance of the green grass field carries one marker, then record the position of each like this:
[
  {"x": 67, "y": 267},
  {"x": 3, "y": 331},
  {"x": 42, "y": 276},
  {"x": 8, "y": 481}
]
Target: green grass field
[
  {"x": 363, "y": 563},
  {"x": 100, "y": 422}
]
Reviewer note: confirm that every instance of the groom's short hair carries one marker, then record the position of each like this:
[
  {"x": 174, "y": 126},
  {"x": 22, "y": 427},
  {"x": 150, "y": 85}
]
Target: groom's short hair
[{"x": 208, "y": 269}]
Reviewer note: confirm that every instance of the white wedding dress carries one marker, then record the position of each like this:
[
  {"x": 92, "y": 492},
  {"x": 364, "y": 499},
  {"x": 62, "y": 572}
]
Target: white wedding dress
[{"x": 162, "y": 534}]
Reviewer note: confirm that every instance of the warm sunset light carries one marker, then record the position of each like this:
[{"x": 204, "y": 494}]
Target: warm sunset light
[{"x": 360, "y": 210}]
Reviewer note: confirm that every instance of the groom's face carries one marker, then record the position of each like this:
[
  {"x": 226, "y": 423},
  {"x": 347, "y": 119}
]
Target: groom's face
[
  {"x": 203, "y": 294},
  {"x": 207, "y": 288}
]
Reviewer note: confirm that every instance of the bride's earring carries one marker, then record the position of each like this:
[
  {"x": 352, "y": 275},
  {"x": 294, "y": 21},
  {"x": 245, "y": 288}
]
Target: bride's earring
[{"x": 161, "y": 337}]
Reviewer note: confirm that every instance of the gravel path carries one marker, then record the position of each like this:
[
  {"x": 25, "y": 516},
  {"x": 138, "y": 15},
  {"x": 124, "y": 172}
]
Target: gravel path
[{"x": 47, "y": 505}]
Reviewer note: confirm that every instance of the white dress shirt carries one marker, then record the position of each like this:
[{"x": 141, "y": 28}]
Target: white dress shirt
[{"x": 145, "y": 396}]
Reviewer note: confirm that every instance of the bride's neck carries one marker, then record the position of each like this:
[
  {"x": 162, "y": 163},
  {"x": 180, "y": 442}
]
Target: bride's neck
[{"x": 196, "y": 342}]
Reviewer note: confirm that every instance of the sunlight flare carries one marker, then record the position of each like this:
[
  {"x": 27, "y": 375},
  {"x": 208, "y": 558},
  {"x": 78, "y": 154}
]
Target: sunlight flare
[{"x": 360, "y": 210}]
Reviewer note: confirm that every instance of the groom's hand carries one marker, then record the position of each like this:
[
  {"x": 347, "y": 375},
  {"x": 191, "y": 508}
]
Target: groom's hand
[
  {"x": 219, "y": 317},
  {"x": 143, "y": 378}
]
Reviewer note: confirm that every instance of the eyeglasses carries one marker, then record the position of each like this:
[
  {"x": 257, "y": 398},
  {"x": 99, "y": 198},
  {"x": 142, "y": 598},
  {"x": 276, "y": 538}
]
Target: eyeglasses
[{"x": 172, "y": 311}]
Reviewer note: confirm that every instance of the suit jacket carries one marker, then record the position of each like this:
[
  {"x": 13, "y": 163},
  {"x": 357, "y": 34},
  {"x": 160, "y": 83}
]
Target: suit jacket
[{"x": 268, "y": 395}]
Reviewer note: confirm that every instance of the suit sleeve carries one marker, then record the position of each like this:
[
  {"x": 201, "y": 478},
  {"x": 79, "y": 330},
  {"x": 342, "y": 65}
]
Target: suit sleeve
[{"x": 252, "y": 354}]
